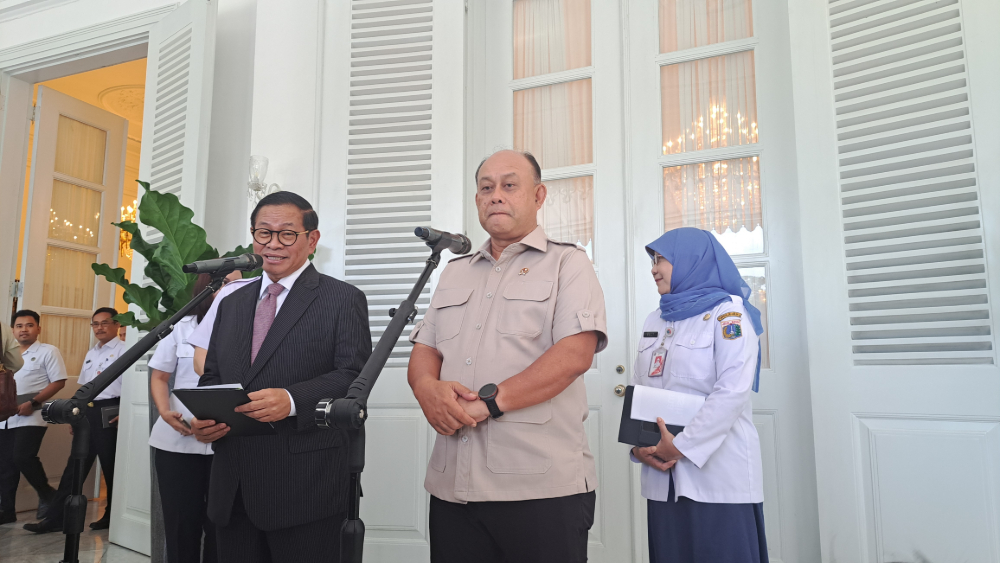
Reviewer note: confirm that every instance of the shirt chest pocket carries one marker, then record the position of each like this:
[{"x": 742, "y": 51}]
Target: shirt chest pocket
[
  {"x": 524, "y": 308},
  {"x": 185, "y": 350},
  {"x": 449, "y": 311},
  {"x": 693, "y": 357}
]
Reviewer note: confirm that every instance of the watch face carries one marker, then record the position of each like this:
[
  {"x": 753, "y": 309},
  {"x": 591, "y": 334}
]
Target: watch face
[{"x": 488, "y": 391}]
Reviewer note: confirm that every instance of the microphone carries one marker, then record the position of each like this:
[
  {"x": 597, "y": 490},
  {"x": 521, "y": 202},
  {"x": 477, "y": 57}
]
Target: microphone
[
  {"x": 458, "y": 244},
  {"x": 243, "y": 262}
]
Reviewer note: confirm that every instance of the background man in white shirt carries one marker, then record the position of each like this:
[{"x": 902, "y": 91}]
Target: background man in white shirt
[
  {"x": 42, "y": 376},
  {"x": 102, "y": 440}
]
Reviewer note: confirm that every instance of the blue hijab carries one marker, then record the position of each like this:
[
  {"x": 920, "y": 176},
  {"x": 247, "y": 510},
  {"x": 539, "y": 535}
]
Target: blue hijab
[{"x": 704, "y": 275}]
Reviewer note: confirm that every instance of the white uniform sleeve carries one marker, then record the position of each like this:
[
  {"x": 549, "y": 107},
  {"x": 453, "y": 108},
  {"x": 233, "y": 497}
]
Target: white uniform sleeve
[
  {"x": 735, "y": 352},
  {"x": 165, "y": 357},
  {"x": 202, "y": 335},
  {"x": 55, "y": 367}
]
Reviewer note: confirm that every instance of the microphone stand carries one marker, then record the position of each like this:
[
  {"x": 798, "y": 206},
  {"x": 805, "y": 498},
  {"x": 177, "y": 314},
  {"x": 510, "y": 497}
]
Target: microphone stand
[
  {"x": 73, "y": 412},
  {"x": 351, "y": 412}
]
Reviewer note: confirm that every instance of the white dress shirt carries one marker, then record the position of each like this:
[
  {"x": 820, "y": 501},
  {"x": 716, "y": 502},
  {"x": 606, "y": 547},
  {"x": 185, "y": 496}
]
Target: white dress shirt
[
  {"x": 43, "y": 364},
  {"x": 175, "y": 355},
  {"x": 287, "y": 282},
  {"x": 705, "y": 357},
  {"x": 203, "y": 334},
  {"x": 98, "y": 358}
]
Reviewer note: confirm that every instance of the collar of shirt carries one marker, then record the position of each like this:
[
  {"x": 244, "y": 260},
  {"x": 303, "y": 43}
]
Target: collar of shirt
[
  {"x": 112, "y": 344},
  {"x": 287, "y": 282},
  {"x": 536, "y": 239},
  {"x": 32, "y": 349}
]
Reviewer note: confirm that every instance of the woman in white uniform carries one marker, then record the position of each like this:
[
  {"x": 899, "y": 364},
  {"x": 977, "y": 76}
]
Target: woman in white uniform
[
  {"x": 183, "y": 464},
  {"x": 703, "y": 487}
]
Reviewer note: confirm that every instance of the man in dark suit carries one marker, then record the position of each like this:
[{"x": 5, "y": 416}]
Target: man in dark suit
[{"x": 292, "y": 338}]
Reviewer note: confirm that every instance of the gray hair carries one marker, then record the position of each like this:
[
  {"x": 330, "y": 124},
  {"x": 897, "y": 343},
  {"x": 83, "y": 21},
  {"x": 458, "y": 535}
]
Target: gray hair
[{"x": 531, "y": 160}]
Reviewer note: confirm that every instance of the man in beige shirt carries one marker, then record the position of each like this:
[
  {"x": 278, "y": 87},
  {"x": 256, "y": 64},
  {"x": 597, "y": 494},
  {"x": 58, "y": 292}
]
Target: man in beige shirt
[{"x": 511, "y": 475}]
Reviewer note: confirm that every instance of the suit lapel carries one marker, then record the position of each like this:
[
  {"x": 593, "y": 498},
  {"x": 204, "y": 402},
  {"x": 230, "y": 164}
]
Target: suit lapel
[
  {"x": 244, "y": 306},
  {"x": 295, "y": 305}
]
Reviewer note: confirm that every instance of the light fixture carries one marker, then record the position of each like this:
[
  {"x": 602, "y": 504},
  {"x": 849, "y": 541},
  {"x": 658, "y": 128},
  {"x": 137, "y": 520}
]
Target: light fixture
[
  {"x": 258, "y": 188},
  {"x": 125, "y": 237}
]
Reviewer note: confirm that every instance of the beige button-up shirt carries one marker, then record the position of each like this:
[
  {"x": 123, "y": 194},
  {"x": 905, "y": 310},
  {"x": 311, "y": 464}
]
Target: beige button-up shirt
[{"x": 491, "y": 319}]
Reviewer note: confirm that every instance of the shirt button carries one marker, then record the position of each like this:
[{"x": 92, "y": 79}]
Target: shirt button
[
  {"x": 692, "y": 342},
  {"x": 468, "y": 361},
  {"x": 489, "y": 295},
  {"x": 586, "y": 314},
  {"x": 478, "y": 326},
  {"x": 498, "y": 268},
  {"x": 465, "y": 439}
]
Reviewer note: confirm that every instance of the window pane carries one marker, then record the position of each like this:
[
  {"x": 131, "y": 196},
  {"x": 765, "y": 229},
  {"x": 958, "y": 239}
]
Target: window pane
[
  {"x": 75, "y": 215},
  {"x": 80, "y": 150},
  {"x": 685, "y": 24},
  {"x": 71, "y": 335},
  {"x": 722, "y": 197},
  {"x": 709, "y": 103},
  {"x": 755, "y": 278},
  {"x": 69, "y": 280},
  {"x": 555, "y": 123},
  {"x": 568, "y": 212},
  {"x": 550, "y": 36}
]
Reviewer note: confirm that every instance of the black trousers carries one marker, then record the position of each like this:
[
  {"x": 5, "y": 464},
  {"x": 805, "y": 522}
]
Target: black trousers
[
  {"x": 551, "y": 530},
  {"x": 19, "y": 454},
  {"x": 183, "y": 480},
  {"x": 103, "y": 442},
  {"x": 242, "y": 542}
]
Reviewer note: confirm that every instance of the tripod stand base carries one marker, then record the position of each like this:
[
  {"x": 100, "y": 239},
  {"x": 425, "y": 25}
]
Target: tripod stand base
[{"x": 352, "y": 541}]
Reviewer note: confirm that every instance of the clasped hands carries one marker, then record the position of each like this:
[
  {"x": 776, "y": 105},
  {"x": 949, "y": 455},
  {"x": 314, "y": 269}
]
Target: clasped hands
[
  {"x": 266, "y": 405},
  {"x": 449, "y": 406},
  {"x": 663, "y": 455}
]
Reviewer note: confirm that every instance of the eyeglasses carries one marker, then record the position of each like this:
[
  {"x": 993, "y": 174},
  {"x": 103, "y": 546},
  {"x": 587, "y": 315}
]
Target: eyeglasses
[
  {"x": 655, "y": 258},
  {"x": 105, "y": 324},
  {"x": 286, "y": 238}
]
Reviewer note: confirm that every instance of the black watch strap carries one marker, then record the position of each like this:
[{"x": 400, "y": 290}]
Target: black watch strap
[{"x": 488, "y": 394}]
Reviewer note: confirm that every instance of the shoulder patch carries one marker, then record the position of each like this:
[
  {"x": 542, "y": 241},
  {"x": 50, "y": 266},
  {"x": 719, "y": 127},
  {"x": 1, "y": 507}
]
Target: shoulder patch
[
  {"x": 730, "y": 314},
  {"x": 460, "y": 257},
  {"x": 731, "y": 329}
]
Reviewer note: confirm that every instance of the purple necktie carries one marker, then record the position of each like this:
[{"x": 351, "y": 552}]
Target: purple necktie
[{"x": 264, "y": 317}]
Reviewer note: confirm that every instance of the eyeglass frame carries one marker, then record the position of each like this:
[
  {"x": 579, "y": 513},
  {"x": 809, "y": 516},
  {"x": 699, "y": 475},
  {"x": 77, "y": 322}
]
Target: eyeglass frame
[
  {"x": 104, "y": 323},
  {"x": 253, "y": 234},
  {"x": 655, "y": 258}
]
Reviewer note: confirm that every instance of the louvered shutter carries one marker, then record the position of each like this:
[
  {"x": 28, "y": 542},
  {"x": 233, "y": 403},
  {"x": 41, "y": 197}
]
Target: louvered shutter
[
  {"x": 916, "y": 271},
  {"x": 389, "y": 156}
]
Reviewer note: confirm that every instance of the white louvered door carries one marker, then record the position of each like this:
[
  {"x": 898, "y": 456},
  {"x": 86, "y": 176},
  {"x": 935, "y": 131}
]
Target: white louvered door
[
  {"x": 396, "y": 76},
  {"x": 174, "y": 159},
  {"x": 901, "y": 307}
]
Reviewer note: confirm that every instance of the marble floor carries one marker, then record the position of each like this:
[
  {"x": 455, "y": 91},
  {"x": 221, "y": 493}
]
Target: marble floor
[{"x": 18, "y": 545}]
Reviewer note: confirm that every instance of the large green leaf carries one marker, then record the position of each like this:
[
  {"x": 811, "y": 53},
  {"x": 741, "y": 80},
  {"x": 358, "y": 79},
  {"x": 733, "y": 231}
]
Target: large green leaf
[
  {"x": 165, "y": 213},
  {"x": 145, "y": 297}
]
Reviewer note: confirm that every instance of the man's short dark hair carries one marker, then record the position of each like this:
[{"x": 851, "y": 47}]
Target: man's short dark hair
[
  {"x": 531, "y": 160},
  {"x": 109, "y": 310},
  {"x": 25, "y": 313},
  {"x": 309, "y": 218}
]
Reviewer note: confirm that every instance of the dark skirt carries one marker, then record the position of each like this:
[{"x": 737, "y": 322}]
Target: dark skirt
[{"x": 687, "y": 531}]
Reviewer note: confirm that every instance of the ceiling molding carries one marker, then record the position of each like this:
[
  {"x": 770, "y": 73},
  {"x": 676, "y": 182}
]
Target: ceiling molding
[
  {"x": 14, "y": 9},
  {"x": 33, "y": 57}
]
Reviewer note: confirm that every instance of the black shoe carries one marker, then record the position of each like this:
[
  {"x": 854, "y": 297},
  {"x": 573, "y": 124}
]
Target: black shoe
[
  {"x": 102, "y": 524},
  {"x": 44, "y": 527},
  {"x": 7, "y": 517},
  {"x": 44, "y": 502}
]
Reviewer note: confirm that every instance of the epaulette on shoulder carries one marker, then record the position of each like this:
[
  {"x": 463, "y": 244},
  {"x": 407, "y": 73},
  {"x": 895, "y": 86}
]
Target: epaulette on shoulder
[
  {"x": 563, "y": 243},
  {"x": 460, "y": 257}
]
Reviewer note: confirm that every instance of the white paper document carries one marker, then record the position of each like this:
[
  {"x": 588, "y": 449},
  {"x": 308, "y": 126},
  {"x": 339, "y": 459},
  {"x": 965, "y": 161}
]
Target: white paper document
[{"x": 673, "y": 407}]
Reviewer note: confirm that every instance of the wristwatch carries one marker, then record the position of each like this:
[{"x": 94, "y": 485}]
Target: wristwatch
[
  {"x": 489, "y": 396},
  {"x": 35, "y": 404}
]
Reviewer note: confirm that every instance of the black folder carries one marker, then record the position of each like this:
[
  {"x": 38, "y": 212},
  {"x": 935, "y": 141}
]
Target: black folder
[
  {"x": 218, "y": 404},
  {"x": 640, "y": 432}
]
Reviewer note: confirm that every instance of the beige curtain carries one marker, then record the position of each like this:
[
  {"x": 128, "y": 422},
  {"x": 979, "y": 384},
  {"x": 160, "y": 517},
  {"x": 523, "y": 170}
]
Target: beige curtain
[
  {"x": 714, "y": 196},
  {"x": 71, "y": 335},
  {"x": 69, "y": 279},
  {"x": 555, "y": 123},
  {"x": 550, "y": 36},
  {"x": 685, "y": 24},
  {"x": 568, "y": 212},
  {"x": 75, "y": 214},
  {"x": 709, "y": 103}
]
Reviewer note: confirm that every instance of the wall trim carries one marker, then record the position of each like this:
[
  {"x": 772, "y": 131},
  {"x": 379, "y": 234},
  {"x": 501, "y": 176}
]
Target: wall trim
[{"x": 97, "y": 39}]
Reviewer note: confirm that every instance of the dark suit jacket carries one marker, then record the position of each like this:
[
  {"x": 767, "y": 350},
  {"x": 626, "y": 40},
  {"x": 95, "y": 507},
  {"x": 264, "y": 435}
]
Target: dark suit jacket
[{"x": 316, "y": 347}]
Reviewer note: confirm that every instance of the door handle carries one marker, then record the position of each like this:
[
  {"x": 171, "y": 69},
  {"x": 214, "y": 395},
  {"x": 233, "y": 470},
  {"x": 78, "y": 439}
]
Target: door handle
[{"x": 620, "y": 390}]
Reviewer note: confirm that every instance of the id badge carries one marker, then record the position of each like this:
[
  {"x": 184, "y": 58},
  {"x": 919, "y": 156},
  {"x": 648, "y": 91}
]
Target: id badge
[{"x": 656, "y": 364}]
